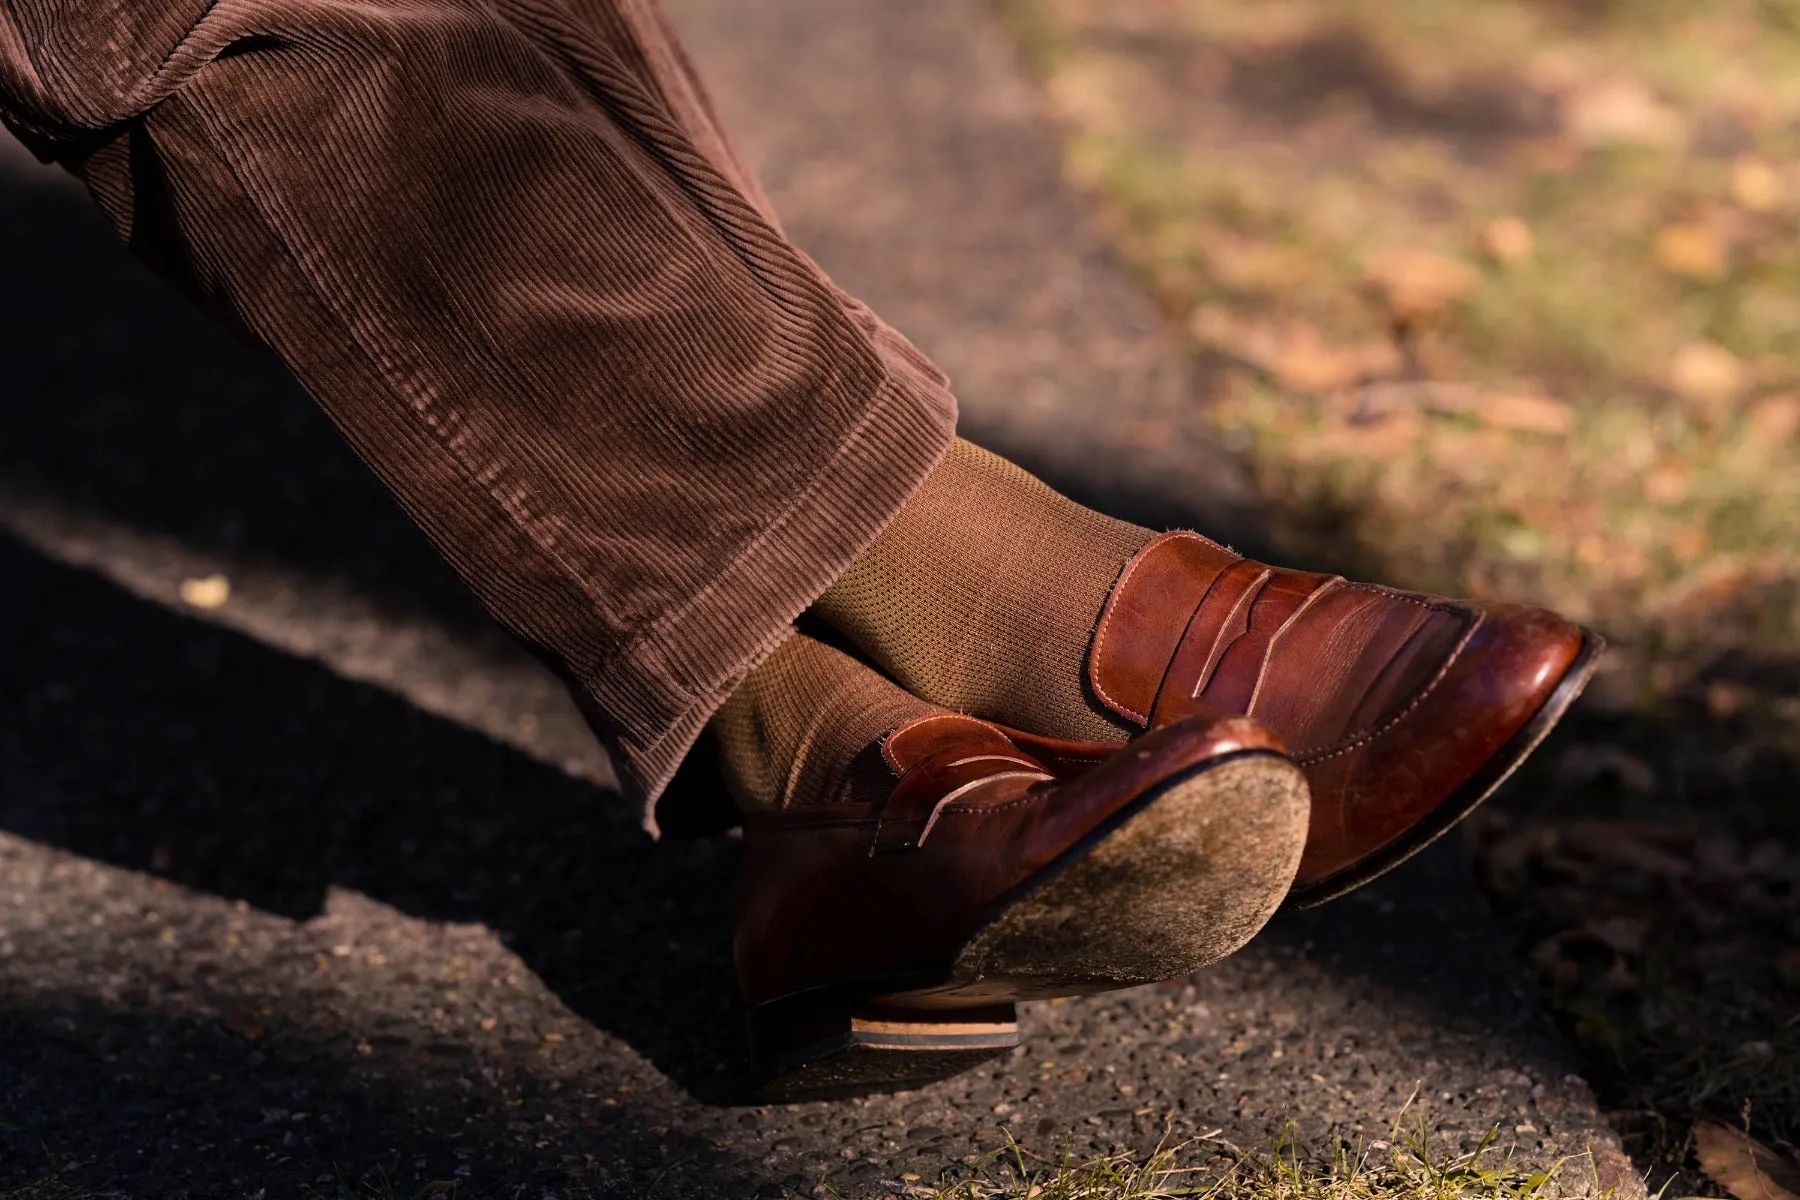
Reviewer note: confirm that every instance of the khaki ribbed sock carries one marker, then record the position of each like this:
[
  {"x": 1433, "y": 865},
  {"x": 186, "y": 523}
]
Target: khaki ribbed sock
[
  {"x": 805, "y": 727},
  {"x": 982, "y": 595}
]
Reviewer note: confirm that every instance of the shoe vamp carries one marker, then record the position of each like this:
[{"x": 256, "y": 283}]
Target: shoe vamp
[{"x": 1353, "y": 661}]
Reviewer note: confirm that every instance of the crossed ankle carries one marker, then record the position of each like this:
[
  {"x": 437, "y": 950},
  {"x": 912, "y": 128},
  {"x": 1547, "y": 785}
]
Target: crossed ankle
[
  {"x": 800, "y": 728},
  {"x": 982, "y": 594}
]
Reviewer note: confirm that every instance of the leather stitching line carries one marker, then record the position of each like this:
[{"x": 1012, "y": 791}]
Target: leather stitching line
[
  {"x": 1107, "y": 616},
  {"x": 1325, "y": 753},
  {"x": 917, "y": 722},
  {"x": 1106, "y": 620},
  {"x": 1450, "y": 607},
  {"x": 979, "y": 809}
]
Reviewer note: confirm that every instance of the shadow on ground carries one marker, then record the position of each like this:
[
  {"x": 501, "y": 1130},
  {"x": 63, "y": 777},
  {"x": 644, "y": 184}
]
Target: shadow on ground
[
  {"x": 136, "y": 737},
  {"x": 141, "y": 738},
  {"x": 197, "y": 757},
  {"x": 122, "y": 399}
]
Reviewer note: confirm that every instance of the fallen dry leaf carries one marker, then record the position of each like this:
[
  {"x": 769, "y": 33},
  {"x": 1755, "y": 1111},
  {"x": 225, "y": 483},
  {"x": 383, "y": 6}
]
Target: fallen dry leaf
[
  {"x": 1623, "y": 934},
  {"x": 1383, "y": 440},
  {"x": 1691, "y": 251},
  {"x": 1386, "y": 399},
  {"x": 1707, "y": 375},
  {"x": 1726, "y": 699},
  {"x": 1308, "y": 363},
  {"x": 1744, "y": 1166},
  {"x": 1667, "y": 483},
  {"x": 1543, "y": 155},
  {"x": 1416, "y": 284},
  {"x": 1526, "y": 413},
  {"x": 1512, "y": 853},
  {"x": 1617, "y": 559},
  {"x": 1585, "y": 763},
  {"x": 1294, "y": 353},
  {"x": 1687, "y": 542},
  {"x": 1712, "y": 585},
  {"x": 1257, "y": 267},
  {"x": 1472, "y": 455},
  {"x": 1619, "y": 112},
  {"x": 1087, "y": 93},
  {"x": 1562, "y": 972},
  {"x": 1774, "y": 420},
  {"x": 208, "y": 591},
  {"x": 1518, "y": 412},
  {"x": 1621, "y": 844},
  {"x": 1507, "y": 240},
  {"x": 1755, "y": 184}
]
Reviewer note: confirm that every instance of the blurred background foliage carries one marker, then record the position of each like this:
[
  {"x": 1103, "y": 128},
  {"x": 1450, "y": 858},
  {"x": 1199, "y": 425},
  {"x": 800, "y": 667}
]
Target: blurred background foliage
[{"x": 1504, "y": 294}]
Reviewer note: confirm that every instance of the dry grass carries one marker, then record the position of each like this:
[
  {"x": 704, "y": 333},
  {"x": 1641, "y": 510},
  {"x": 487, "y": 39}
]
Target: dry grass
[
  {"x": 1404, "y": 1167},
  {"x": 1620, "y": 184}
]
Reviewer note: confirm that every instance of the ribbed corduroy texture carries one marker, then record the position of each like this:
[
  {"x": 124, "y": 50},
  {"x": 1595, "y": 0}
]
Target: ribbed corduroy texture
[
  {"x": 982, "y": 596},
  {"x": 508, "y": 249},
  {"x": 806, "y": 728}
]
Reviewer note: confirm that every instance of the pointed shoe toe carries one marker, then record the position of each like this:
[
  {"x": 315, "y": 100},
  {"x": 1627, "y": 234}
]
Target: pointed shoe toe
[
  {"x": 1383, "y": 794},
  {"x": 1405, "y": 710}
]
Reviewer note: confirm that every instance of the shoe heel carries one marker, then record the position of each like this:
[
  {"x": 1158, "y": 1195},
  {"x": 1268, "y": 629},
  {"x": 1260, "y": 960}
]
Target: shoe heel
[{"x": 822, "y": 1052}]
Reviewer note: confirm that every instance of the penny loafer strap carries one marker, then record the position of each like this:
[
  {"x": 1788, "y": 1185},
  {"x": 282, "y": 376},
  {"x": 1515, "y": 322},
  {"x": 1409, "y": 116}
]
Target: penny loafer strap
[{"x": 941, "y": 759}]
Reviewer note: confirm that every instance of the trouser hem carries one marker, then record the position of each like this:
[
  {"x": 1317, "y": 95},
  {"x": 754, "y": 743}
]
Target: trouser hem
[{"x": 658, "y": 693}]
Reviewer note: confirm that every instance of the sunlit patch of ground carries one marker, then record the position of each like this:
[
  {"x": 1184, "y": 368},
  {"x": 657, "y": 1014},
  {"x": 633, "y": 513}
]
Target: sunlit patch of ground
[
  {"x": 1509, "y": 292},
  {"x": 1405, "y": 1166}
]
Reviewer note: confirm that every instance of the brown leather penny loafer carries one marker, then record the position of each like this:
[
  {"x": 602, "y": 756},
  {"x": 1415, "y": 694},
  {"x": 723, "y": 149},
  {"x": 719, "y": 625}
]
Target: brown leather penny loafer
[
  {"x": 882, "y": 941},
  {"x": 1404, "y": 710}
]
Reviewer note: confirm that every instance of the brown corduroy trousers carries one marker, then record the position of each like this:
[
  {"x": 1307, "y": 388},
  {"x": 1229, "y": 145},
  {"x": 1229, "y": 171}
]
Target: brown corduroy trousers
[{"x": 507, "y": 247}]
